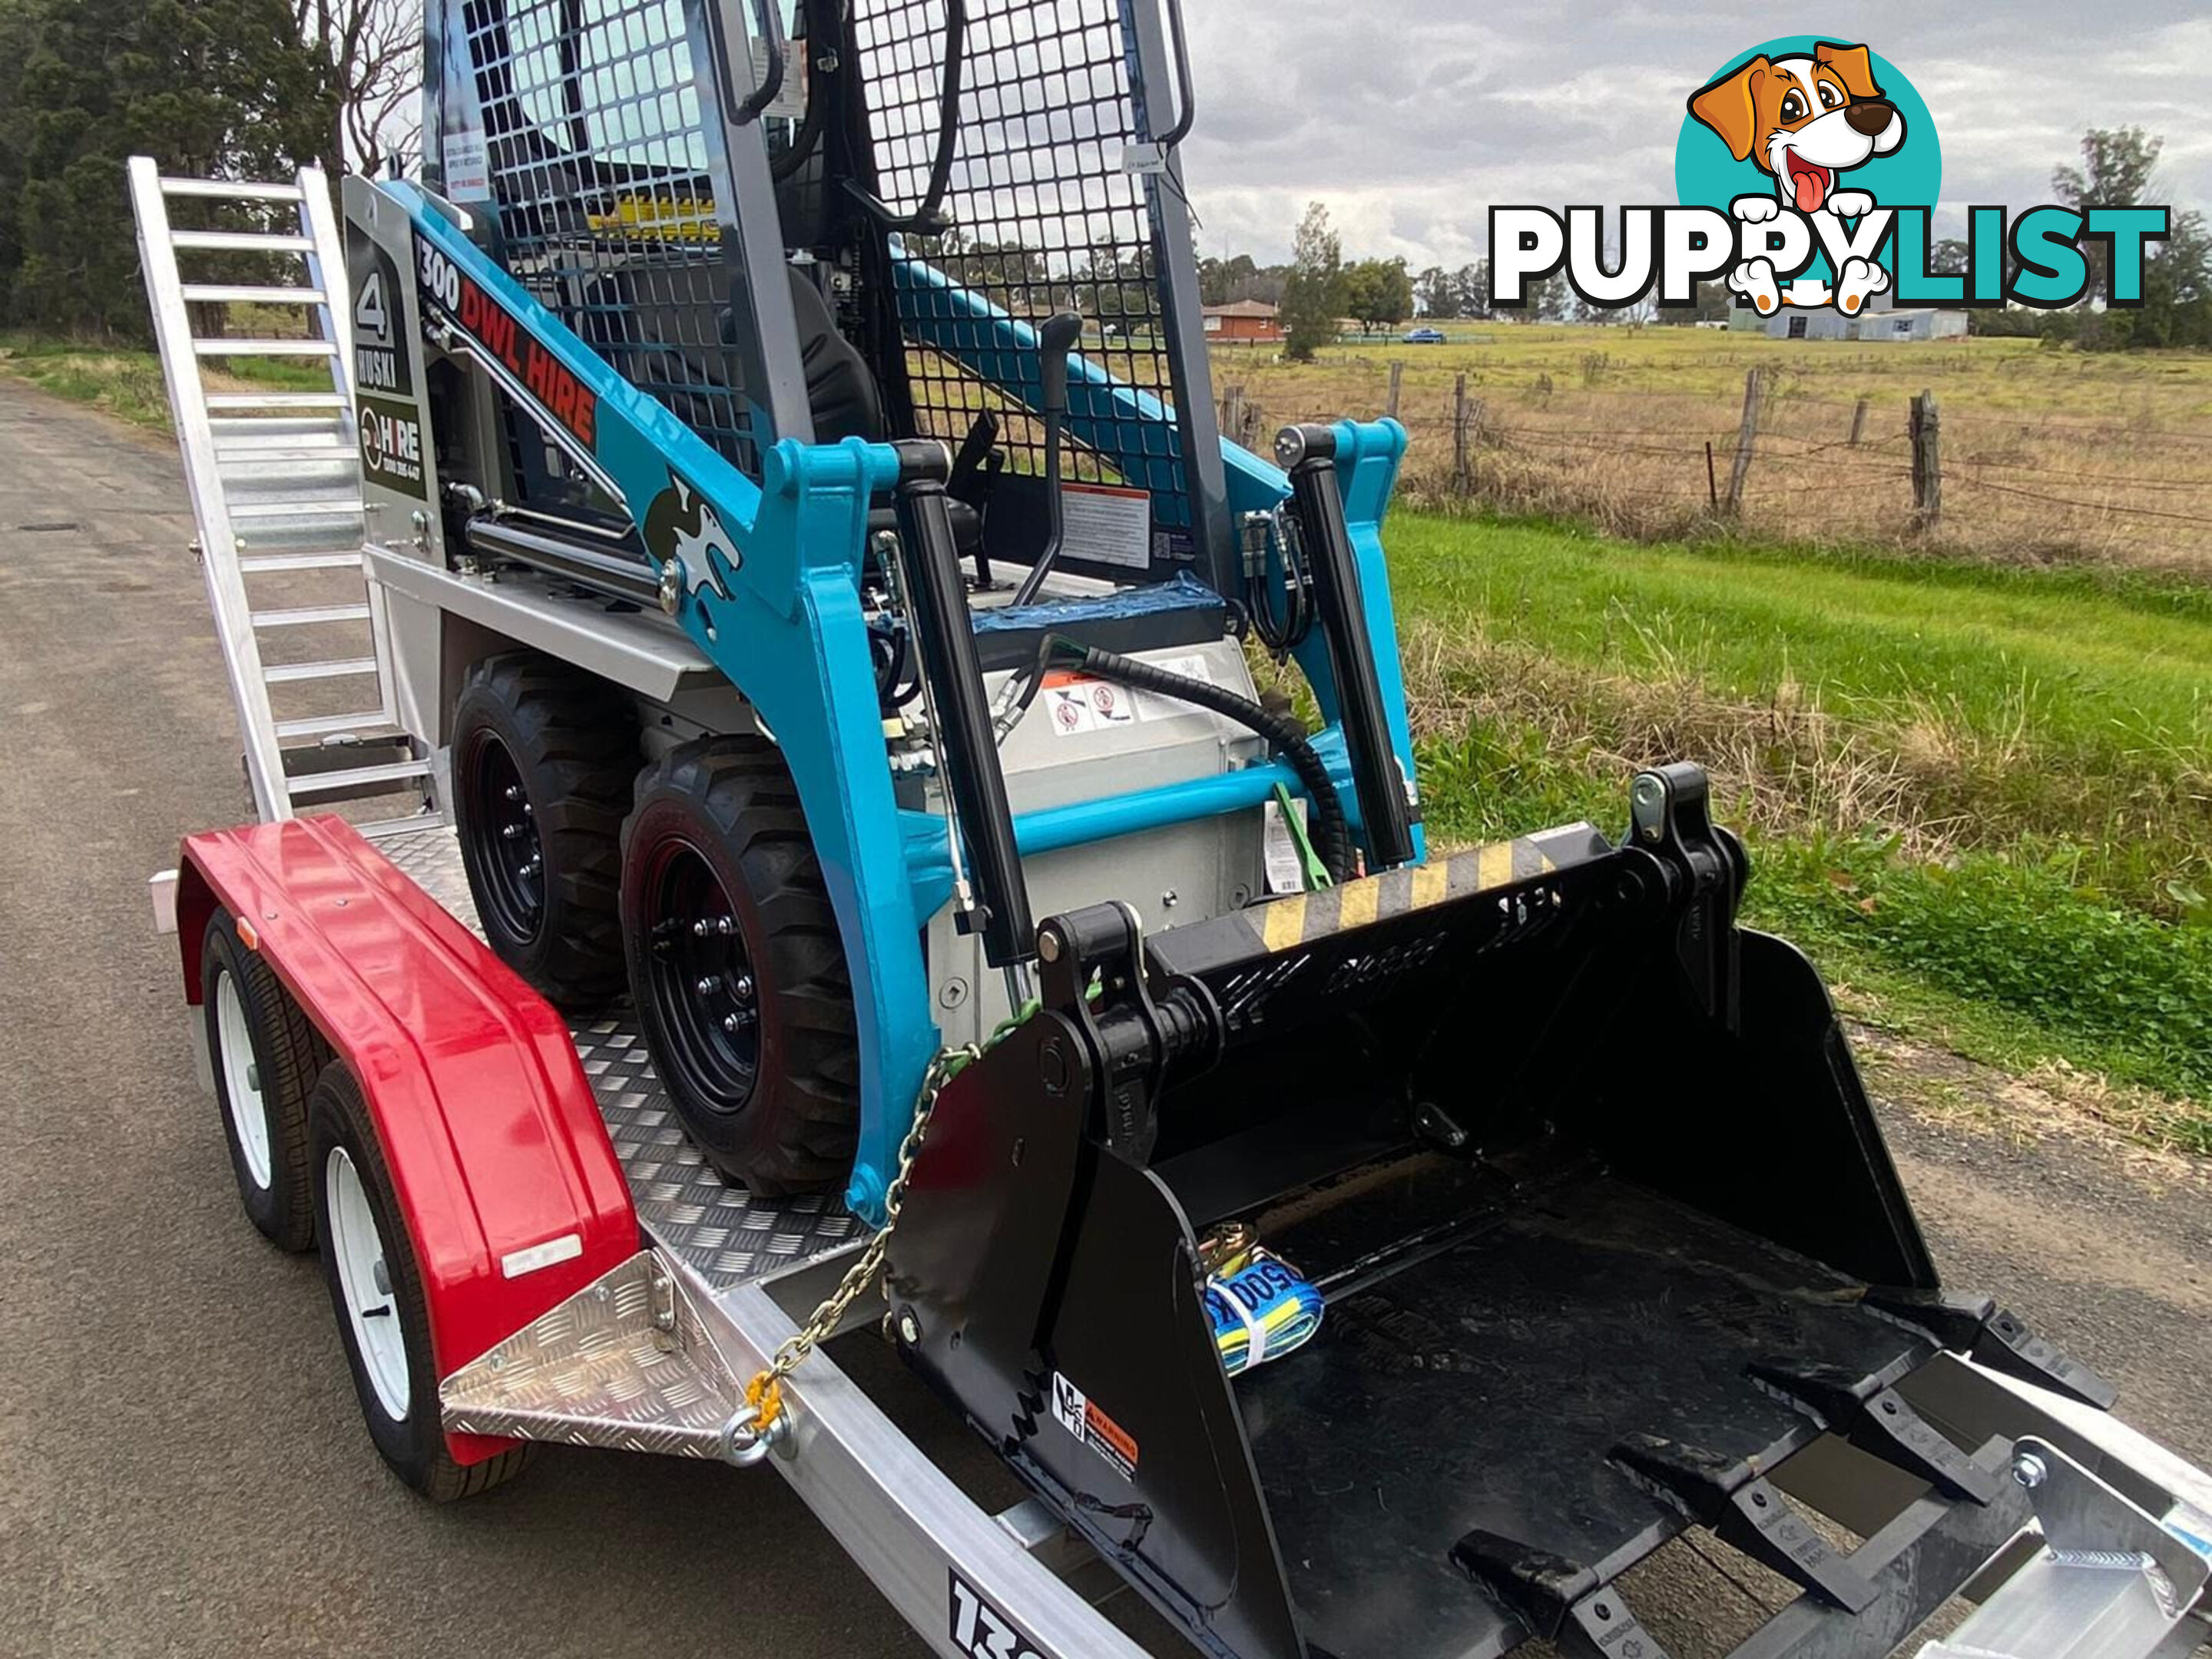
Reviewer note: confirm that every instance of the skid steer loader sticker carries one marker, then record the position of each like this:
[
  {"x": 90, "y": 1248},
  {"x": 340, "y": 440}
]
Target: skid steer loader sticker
[
  {"x": 680, "y": 526},
  {"x": 980, "y": 1629},
  {"x": 533, "y": 374},
  {"x": 1080, "y": 1416}
]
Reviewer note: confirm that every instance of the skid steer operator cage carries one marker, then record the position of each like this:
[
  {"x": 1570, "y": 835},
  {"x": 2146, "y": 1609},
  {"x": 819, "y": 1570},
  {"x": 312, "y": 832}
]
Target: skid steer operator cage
[
  {"x": 607, "y": 139},
  {"x": 1043, "y": 217},
  {"x": 597, "y": 133}
]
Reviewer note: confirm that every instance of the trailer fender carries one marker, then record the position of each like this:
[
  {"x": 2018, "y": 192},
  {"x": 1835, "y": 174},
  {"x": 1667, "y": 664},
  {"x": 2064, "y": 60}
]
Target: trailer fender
[{"x": 511, "y": 1191}]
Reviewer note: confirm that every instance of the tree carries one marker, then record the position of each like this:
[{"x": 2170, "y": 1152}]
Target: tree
[
  {"x": 218, "y": 89},
  {"x": 374, "y": 51},
  {"x": 2119, "y": 168},
  {"x": 1378, "y": 293},
  {"x": 1313, "y": 294},
  {"x": 1472, "y": 286},
  {"x": 1433, "y": 294}
]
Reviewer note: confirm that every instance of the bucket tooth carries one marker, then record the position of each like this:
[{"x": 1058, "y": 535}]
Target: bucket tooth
[
  {"x": 1996, "y": 1337},
  {"x": 1738, "y": 1506},
  {"x": 1878, "y": 1419}
]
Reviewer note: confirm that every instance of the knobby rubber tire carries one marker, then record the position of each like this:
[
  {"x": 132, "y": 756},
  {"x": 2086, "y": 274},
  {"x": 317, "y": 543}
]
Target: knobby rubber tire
[
  {"x": 415, "y": 1447},
  {"x": 573, "y": 741},
  {"x": 288, "y": 1054},
  {"x": 733, "y": 800}
]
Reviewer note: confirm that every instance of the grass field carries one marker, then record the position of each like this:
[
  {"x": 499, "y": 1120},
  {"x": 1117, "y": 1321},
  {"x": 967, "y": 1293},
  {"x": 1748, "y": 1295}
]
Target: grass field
[
  {"x": 1982, "y": 796},
  {"x": 2048, "y": 456}
]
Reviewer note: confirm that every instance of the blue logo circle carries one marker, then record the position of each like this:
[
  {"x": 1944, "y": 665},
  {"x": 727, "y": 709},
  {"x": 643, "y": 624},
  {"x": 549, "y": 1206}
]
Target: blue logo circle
[{"x": 1708, "y": 173}]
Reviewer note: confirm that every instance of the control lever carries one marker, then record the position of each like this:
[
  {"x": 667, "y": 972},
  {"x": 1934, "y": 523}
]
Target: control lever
[{"x": 1055, "y": 341}]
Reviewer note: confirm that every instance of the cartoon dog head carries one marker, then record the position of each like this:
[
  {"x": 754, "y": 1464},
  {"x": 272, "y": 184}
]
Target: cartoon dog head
[{"x": 1803, "y": 120}]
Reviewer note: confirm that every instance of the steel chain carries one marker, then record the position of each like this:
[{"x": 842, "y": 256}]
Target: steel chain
[{"x": 764, "y": 1393}]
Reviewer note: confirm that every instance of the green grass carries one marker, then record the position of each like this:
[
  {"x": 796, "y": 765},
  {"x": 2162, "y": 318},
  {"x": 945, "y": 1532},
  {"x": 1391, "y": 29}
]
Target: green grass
[
  {"x": 1983, "y": 796},
  {"x": 126, "y": 381}
]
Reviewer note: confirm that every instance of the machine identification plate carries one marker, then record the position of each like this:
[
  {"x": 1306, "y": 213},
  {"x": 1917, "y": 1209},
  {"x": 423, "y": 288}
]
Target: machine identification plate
[{"x": 980, "y": 1629}]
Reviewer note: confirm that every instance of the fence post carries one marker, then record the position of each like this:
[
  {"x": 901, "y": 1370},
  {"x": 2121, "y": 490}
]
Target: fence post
[
  {"x": 1926, "y": 466},
  {"x": 1462, "y": 469},
  {"x": 1858, "y": 422},
  {"x": 1746, "y": 435},
  {"x": 1397, "y": 375},
  {"x": 1232, "y": 412}
]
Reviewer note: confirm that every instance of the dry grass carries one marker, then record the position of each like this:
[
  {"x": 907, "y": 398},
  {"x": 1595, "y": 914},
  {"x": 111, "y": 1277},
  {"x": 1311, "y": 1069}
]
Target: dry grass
[{"x": 2047, "y": 456}]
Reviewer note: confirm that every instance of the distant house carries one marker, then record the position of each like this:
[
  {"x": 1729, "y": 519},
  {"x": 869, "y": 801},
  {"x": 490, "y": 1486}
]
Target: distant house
[
  {"x": 1243, "y": 322},
  {"x": 1880, "y": 321}
]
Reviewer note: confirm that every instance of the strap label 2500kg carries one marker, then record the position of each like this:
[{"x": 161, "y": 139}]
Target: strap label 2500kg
[{"x": 534, "y": 373}]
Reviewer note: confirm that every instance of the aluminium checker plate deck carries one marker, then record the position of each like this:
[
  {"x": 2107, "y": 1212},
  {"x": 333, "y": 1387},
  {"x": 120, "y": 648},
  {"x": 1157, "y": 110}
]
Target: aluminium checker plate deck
[{"x": 725, "y": 1235}]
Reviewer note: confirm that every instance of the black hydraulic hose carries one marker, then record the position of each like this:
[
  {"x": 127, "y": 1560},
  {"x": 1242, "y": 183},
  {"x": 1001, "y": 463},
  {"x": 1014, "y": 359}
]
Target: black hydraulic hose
[
  {"x": 1332, "y": 833},
  {"x": 809, "y": 132}
]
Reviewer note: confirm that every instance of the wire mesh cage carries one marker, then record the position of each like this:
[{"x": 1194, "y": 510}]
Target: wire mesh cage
[
  {"x": 602, "y": 177},
  {"x": 1041, "y": 215}
]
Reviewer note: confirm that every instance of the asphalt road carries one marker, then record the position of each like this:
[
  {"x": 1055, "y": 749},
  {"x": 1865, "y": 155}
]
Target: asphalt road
[{"x": 181, "y": 1467}]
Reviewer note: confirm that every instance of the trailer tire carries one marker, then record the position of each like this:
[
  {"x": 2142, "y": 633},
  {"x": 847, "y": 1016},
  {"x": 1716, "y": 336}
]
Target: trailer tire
[
  {"x": 718, "y": 837},
  {"x": 544, "y": 758},
  {"x": 368, "y": 1254},
  {"x": 265, "y": 1055}
]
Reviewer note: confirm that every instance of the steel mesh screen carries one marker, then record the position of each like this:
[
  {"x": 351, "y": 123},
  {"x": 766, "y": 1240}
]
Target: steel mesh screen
[
  {"x": 1043, "y": 217},
  {"x": 601, "y": 179}
]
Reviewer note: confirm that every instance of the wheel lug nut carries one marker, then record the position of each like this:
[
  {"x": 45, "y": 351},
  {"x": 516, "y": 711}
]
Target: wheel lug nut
[
  {"x": 702, "y": 927},
  {"x": 742, "y": 987},
  {"x": 509, "y": 832},
  {"x": 725, "y": 925},
  {"x": 708, "y": 986},
  {"x": 733, "y": 1024},
  {"x": 512, "y": 791}
]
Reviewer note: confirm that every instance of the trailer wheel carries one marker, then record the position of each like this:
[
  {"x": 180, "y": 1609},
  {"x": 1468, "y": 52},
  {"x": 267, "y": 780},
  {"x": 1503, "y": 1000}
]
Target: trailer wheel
[
  {"x": 543, "y": 762},
  {"x": 376, "y": 1292},
  {"x": 737, "y": 969},
  {"x": 265, "y": 1056}
]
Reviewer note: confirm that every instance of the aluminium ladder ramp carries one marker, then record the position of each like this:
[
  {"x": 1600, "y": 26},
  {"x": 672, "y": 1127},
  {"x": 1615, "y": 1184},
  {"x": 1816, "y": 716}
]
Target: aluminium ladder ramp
[{"x": 275, "y": 480}]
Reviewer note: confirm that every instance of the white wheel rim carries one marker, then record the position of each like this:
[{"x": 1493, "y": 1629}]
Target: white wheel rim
[
  {"x": 241, "y": 1092},
  {"x": 364, "y": 1283}
]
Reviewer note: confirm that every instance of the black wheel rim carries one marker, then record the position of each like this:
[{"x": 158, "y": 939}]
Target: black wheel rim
[
  {"x": 510, "y": 860},
  {"x": 701, "y": 979}
]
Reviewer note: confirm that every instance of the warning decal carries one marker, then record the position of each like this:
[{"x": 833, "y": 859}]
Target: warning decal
[
  {"x": 1078, "y": 703},
  {"x": 1105, "y": 524},
  {"x": 1081, "y": 1417}
]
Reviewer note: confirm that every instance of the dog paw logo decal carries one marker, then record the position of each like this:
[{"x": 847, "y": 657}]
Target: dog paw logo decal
[
  {"x": 1807, "y": 171},
  {"x": 1777, "y": 131},
  {"x": 680, "y": 526}
]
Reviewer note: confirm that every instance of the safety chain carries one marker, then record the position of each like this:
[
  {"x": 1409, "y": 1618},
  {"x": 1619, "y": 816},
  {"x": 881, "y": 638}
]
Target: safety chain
[{"x": 747, "y": 1436}]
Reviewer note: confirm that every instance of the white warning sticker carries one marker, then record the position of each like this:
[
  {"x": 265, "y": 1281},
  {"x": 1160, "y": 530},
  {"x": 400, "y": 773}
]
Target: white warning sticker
[
  {"x": 1106, "y": 524},
  {"x": 1285, "y": 869},
  {"x": 1077, "y": 703}
]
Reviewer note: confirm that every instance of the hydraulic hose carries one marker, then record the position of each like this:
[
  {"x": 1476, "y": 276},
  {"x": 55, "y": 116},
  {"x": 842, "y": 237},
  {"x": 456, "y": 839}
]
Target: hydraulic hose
[{"x": 1332, "y": 833}]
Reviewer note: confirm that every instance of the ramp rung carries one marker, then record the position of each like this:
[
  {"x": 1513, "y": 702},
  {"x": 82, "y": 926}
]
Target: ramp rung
[
  {"x": 249, "y": 294},
  {"x": 358, "y": 777},
  {"x": 321, "y": 453},
  {"x": 256, "y": 564},
  {"x": 222, "y": 347},
  {"x": 319, "y": 725},
  {"x": 294, "y": 510},
  {"x": 241, "y": 241},
  {"x": 230, "y": 189},
  {"x": 310, "y": 615},
  {"x": 285, "y": 673},
  {"x": 275, "y": 400}
]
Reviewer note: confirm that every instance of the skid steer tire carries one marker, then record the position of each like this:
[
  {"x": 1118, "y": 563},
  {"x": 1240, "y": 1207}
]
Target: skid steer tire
[
  {"x": 545, "y": 760},
  {"x": 737, "y": 969},
  {"x": 265, "y": 1056},
  {"x": 376, "y": 1292}
]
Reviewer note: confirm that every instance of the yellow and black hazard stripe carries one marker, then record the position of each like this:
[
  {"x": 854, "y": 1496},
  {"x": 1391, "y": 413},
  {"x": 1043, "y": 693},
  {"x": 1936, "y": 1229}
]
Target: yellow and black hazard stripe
[{"x": 1300, "y": 920}]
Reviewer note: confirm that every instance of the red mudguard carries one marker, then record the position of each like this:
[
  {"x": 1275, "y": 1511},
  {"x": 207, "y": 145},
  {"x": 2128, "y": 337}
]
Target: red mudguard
[{"x": 494, "y": 1143}]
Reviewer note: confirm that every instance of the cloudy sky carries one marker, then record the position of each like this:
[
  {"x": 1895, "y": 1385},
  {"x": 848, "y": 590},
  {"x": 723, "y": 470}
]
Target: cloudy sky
[{"x": 1411, "y": 118}]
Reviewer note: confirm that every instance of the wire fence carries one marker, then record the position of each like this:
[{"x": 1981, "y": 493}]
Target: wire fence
[{"x": 1783, "y": 464}]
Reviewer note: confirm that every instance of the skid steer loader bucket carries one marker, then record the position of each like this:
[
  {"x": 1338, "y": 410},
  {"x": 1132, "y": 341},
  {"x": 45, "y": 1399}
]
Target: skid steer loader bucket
[{"x": 1605, "y": 1227}]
